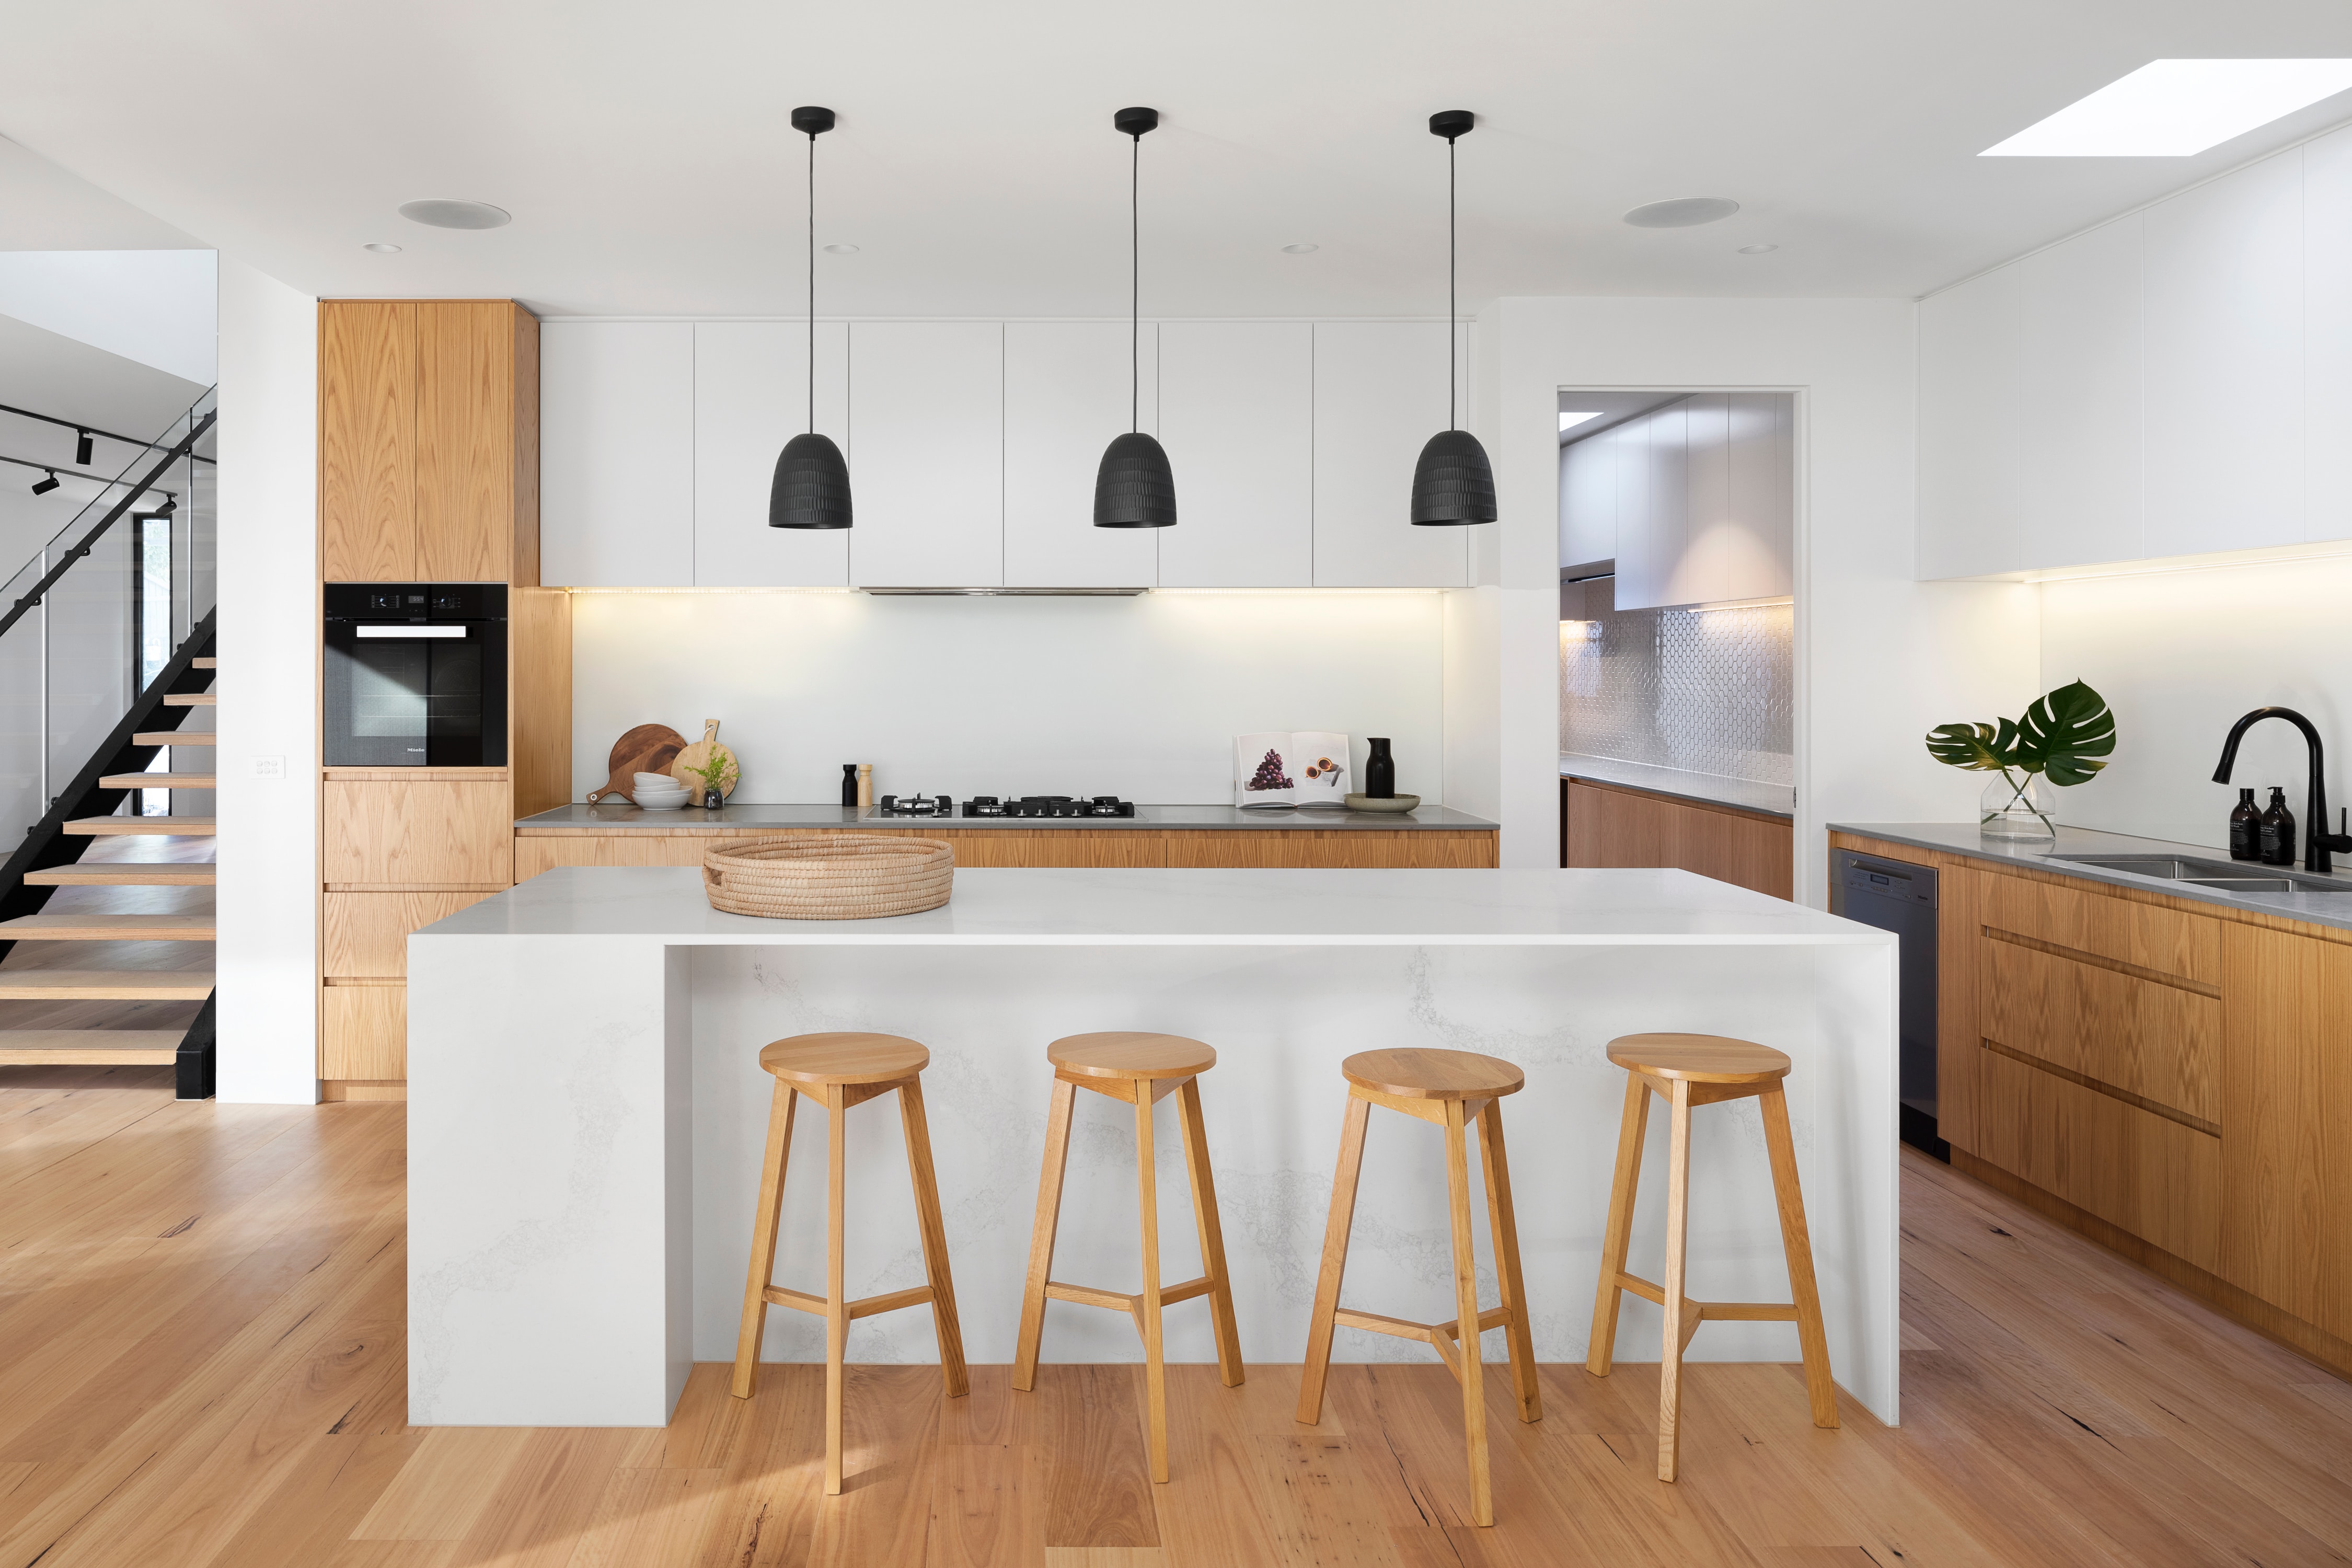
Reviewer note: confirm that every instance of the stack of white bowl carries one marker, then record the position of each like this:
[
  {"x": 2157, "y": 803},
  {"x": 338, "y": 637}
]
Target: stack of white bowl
[{"x": 657, "y": 792}]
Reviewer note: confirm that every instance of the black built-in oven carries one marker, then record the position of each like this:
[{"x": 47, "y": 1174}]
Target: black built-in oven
[{"x": 416, "y": 675}]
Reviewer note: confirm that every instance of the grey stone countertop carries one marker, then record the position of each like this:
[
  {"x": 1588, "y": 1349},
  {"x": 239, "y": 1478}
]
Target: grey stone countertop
[
  {"x": 2325, "y": 908},
  {"x": 616, "y": 813},
  {"x": 1713, "y": 789}
]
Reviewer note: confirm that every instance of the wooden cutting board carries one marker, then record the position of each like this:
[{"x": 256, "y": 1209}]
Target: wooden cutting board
[
  {"x": 698, "y": 755},
  {"x": 647, "y": 749}
]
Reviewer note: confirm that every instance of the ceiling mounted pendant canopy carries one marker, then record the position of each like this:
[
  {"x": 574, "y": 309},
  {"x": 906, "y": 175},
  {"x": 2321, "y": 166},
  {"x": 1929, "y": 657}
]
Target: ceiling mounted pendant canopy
[
  {"x": 1453, "y": 483},
  {"x": 811, "y": 489},
  {"x": 1135, "y": 488}
]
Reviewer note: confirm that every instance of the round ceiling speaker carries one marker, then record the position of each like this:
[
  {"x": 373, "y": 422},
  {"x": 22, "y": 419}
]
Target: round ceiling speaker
[
  {"x": 441, "y": 212},
  {"x": 1682, "y": 212}
]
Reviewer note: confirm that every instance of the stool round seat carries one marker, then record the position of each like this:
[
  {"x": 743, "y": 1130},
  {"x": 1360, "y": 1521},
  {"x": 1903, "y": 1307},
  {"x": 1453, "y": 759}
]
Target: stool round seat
[
  {"x": 843, "y": 1058},
  {"x": 1699, "y": 1059},
  {"x": 1433, "y": 1074},
  {"x": 1122, "y": 1054}
]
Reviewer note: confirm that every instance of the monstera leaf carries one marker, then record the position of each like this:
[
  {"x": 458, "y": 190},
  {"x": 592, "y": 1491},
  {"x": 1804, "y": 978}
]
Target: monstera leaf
[
  {"x": 1979, "y": 746},
  {"x": 2066, "y": 735}
]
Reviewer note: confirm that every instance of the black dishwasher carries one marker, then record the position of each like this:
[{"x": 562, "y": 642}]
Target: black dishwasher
[{"x": 1896, "y": 895}]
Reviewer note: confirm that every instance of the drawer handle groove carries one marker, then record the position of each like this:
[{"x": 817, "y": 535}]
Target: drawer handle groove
[
  {"x": 2137, "y": 1101},
  {"x": 2154, "y": 976}
]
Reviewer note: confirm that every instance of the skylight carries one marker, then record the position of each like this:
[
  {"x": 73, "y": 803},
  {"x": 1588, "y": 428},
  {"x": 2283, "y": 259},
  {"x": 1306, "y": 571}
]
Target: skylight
[
  {"x": 2171, "y": 109},
  {"x": 1569, "y": 421}
]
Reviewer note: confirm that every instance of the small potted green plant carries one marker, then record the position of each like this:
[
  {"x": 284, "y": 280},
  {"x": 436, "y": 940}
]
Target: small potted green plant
[
  {"x": 713, "y": 773},
  {"x": 2065, "y": 738}
]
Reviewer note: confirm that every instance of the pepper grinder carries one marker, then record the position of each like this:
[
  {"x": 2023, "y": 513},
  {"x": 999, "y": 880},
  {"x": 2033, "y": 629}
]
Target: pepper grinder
[
  {"x": 849, "y": 784},
  {"x": 864, "y": 786}
]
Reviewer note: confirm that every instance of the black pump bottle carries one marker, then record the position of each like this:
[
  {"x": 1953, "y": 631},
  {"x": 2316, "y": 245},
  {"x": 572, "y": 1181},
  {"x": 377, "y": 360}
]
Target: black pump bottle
[
  {"x": 2246, "y": 828},
  {"x": 2278, "y": 830}
]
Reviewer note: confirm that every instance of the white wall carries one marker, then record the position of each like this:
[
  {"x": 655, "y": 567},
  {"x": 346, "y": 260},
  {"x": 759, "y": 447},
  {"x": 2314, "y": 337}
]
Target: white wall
[
  {"x": 269, "y": 891},
  {"x": 152, "y": 306},
  {"x": 1136, "y": 696},
  {"x": 1880, "y": 658},
  {"x": 2179, "y": 656}
]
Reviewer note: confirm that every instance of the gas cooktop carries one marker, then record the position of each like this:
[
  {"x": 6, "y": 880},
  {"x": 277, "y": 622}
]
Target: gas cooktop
[{"x": 1012, "y": 805}]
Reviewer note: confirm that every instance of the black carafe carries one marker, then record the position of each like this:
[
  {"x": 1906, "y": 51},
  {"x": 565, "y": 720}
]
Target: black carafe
[
  {"x": 2278, "y": 830},
  {"x": 849, "y": 785},
  {"x": 2246, "y": 828},
  {"x": 1380, "y": 769}
]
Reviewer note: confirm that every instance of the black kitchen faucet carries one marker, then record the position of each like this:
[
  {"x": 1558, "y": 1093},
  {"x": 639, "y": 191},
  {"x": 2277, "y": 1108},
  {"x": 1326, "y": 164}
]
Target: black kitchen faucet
[{"x": 2316, "y": 841}]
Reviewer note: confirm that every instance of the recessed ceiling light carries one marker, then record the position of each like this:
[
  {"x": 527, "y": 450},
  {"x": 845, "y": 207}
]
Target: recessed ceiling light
[
  {"x": 381, "y": 248},
  {"x": 1682, "y": 212},
  {"x": 441, "y": 212},
  {"x": 2171, "y": 109},
  {"x": 1569, "y": 421},
  {"x": 1757, "y": 249},
  {"x": 841, "y": 250},
  {"x": 1300, "y": 249}
]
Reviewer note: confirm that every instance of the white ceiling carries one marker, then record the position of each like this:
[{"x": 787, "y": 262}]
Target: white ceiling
[{"x": 644, "y": 153}]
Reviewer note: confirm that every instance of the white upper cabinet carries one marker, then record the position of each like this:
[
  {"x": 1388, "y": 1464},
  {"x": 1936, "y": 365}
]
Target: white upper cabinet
[
  {"x": 1588, "y": 501},
  {"x": 1651, "y": 534},
  {"x": 1379, "y": 396},
  {"x": 1971, "y": 388},
  {"x": 2225, "y": 352},
  {"x": 2327, "y": 340},
  {"x": 1066, "y": 395},
  {"x": 617, "y": 454},
  {"x": 927, "y": 413},
  {"x": 2078, "y": 488},
  {"x": 1749, "y": 551},
  {"x": 1704, "y": 500},
  {"x": 1236, "y": 414},
  {"x": 751, "y": 395}
]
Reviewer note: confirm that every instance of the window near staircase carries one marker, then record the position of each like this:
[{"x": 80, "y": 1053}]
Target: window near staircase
[{"x": 151, "y": 628}]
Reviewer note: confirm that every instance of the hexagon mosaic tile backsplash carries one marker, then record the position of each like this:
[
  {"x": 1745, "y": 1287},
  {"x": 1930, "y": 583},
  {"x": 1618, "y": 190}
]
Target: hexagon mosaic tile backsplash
[{"x": 1712, "y": 691}]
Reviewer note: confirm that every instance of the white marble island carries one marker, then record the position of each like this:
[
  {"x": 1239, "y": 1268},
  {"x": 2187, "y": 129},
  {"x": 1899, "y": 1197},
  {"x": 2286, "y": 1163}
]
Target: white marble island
[{"x": 586, "y": 1112}]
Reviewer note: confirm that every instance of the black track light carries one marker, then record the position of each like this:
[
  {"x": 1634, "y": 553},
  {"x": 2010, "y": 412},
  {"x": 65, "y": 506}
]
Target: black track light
[
  {"x": 81, "y": 448},
  {"x": 811, "y": 489},
  {"x": 171, "y": 504},
  {"x": 44, "y": 486},
  {"x": 1135, "y": 488},
  {"x": 1453, "y": 483}
]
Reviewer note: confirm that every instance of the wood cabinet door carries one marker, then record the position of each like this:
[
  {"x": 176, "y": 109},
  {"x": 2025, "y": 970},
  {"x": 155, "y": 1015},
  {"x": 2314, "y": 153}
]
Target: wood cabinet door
[
  {"x": 1960, "y": 892},
  {"x": 426, "y": 834},
  {"x": 1379, "y": 396},
  {"x": 1238, "y": 415},
  {"x": 367, "y": 933},
  {"x": 367, "y": 441},
  {"x": 927, "y": 411},
  {"x": 1616, "y": 828},
  {"x": 623, "y": 490},
  {"x": 1066, "y": 396},
  {"x": 364, "y": 1033},
  {"x": 465, "y": 440}
]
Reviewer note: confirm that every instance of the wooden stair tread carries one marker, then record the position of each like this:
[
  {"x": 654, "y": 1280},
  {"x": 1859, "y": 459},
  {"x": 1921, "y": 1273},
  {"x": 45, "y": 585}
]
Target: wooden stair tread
[
  {"x": 191, "y": 699},
  {"x": 100, "y": 926},
  {"x": 99, "y": 1048},
  {"x": 169, "y": 827},
  {"x": 175, "y": 738},
  {"x": 124, "y": 874},
  {"x": 204, "y": 663},
  {"x": 159, "y": 781},
  {"x": 105, "y": 984}
]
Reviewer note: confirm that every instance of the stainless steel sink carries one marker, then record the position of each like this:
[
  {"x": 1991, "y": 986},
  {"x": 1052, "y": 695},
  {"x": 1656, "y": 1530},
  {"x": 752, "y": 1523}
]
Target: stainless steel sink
[{"x": 2223, "y": 876}]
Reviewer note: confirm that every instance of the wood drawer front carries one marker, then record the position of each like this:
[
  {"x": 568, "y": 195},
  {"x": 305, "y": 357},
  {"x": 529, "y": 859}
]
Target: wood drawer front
[
  {"x": 420, "y": 833},
  {"x": 2145, "y": 1172},
  {"x": 2142, "y": 935},
  {"x": 1620, "y": 827},
  {"x": 367, "y": 933},
  {"x": 2160, "y": 1042},
  {"x": 537, "y": 854},
  {"x": 364, "y": 1033}
]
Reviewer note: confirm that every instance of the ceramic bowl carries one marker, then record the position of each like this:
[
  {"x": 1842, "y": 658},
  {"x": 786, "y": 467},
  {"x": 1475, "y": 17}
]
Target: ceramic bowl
[
  {"x": 1366, "y": 803},
  {"x": 659, "y": 782},
  {"x": 647, "y": 798}
]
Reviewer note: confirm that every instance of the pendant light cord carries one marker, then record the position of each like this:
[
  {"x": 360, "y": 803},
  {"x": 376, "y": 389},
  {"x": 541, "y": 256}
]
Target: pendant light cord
[
  {"x": 1453, "y": 311},
  {"x": 1135, "y": 284},
  {"x": 811, "y": 283}
]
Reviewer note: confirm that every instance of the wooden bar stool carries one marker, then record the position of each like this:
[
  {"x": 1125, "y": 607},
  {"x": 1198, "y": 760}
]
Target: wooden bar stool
[
  {"x": 1139, "y": 1070},
  {"x": 1685, "y": 1070},
  {"x": 1452, "y": 1088},
  {"x": 838, "y": 1071}
]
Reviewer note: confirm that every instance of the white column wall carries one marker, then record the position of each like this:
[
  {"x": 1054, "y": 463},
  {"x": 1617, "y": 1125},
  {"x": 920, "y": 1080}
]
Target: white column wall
[{"x": 268, "y": 827}]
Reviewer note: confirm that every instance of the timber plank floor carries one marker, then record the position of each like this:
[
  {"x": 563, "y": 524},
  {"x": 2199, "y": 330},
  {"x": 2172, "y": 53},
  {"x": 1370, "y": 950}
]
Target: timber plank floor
[{"x": 202, "y": 1364}]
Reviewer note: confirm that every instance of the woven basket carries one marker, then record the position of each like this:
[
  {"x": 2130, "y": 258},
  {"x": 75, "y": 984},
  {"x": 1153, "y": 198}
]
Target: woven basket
[{"x": 830, "y": 875}]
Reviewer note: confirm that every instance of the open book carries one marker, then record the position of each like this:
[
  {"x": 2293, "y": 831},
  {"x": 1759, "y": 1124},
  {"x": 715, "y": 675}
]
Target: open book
[{"x": 1307, "y": 768}]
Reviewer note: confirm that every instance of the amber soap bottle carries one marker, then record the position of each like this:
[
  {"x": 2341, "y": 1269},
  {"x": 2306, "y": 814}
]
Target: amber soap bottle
[
  {"x": 2278, "y": 830},
  {"x": 2246, "y": 828}
]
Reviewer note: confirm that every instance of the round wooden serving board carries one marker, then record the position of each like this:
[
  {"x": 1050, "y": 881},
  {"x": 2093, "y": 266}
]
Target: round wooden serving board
[
  {"x": 647, "y": 749},
  {"x": 698, "y": 755}
]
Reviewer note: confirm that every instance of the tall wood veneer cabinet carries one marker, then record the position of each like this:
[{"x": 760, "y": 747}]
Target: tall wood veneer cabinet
[
  {"x": 2169, "y": 1078},
  {"x": 428, "y": 471}
]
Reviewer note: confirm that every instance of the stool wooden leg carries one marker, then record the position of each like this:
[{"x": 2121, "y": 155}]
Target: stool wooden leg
[
  {"x": 1321, "y": 1325},
  {"x": 1505, "y": 1223},
  {"x": 1213, "y": 1234},
  {"x": 1617, "y": 1234},
  {"x": 1678, "y": 1328},
  {"x": 1040, "y": 1240},
  {"x": 837, "y": 1299},
  {"x": 765, "y": 1212},
  {"x": 935, "y": 1237},
  {"x": 1155, "y": 1370},
  {"x": 1465, "y": 1305},
  {"x": 1797, "y": 1243}
]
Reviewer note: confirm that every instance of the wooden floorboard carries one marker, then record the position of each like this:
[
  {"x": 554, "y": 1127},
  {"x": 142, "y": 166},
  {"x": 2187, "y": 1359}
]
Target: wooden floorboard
[{"x": 201, "y": 1308}]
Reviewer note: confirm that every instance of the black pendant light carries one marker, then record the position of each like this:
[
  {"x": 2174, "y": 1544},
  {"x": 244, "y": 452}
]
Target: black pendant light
[
  {"x": 1453, "y": 483},
  {"x": 812, "y": 484},
  {"x": 1134, "y": 487}
]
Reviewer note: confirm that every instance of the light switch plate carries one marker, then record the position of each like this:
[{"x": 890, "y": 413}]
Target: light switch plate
[{"x": 269, "y": 767}]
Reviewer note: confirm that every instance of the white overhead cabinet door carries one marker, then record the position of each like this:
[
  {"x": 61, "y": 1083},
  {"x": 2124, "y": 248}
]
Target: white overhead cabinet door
[
  {"x": 750, "y": 396},
  {"x": 1970, "y": 436},
  {"x": 927, "y": 413},
  {"x": 1065, "y": 398},
  {"x": 1587, "y": 500},
  {"x": 1379, "y": 396},
  {"x": 1236, "y": 414},
  {"x": 617, "y": 454},
  {"x": 2078, "y": 485},
  {"x": 1651, "y": 532},
  {"x": 2328, "y": 337}
]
